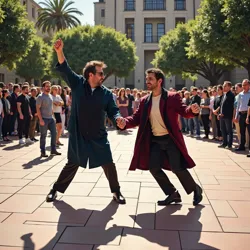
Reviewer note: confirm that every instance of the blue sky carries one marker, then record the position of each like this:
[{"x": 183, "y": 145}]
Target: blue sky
[{"x": 86, "y": 7}]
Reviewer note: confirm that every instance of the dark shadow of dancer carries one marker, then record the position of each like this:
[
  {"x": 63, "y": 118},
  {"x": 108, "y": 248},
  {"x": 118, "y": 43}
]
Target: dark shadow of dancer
[
  {"x": 35, "y": 162},
  {"x": 68, "y": 212},
  {"x": 95, "y": 233},
  {"x": 189, "y": 226},
  {"x": 28, "y": 243}
]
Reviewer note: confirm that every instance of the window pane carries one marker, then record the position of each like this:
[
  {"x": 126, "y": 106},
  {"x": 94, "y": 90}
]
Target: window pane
[
  {"x": 148, "y": 32},
  {"x": 160, "y": 30}
]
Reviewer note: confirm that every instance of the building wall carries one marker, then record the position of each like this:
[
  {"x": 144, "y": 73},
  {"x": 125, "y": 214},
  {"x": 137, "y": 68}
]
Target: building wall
[{"x": 116, "y": 17}]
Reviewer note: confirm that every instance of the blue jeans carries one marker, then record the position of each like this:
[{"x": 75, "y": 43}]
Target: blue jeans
[
  {"x": 50, "y": 125},
  {"x": 226, "y": 127},
  {"x": 194, "y": 122}
]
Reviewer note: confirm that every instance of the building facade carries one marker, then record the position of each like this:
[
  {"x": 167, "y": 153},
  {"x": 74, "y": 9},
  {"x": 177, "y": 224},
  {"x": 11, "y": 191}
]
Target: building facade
[
  {"x": 32, "y": 8},
  {"x": 145, "y": 22}
]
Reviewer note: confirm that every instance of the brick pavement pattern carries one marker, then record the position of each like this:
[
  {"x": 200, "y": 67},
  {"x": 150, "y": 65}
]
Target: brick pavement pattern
[{"x": 85, "y": 218}]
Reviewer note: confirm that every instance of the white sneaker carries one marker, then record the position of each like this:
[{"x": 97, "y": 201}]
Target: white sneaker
[
  {"x": 28, "y": 141},
  {"x": 21, "y": 142},
  {"x": 197, "y": 136}
]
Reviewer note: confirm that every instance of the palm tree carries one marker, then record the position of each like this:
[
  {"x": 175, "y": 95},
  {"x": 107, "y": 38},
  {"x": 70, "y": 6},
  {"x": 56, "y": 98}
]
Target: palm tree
[{"x": 57, "y": 15}]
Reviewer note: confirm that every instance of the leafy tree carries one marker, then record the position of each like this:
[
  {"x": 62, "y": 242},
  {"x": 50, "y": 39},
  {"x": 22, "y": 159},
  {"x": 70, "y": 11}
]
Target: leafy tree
[
  {"x": 1, "y": 12},
  {"x": 173, "y": 58},
  {"x": 16, "y": 33},
  {"x": 222, "y": 32},
  {"x": 35, "y": 63},
  {"x": 86, "y": 43},
  {"x": 57, "y": 15}
]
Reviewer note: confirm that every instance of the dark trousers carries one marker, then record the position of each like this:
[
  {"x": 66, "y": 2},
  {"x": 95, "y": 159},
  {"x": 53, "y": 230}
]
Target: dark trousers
[
  {"x": 13, "y": 119},
  {"x": 23, "y": 126},
  {"x": 69, "y": 171},
  {"x": 205, "y": 122},
  {"x": 218, "y": 127},
  {"x": 49, "y": 124},
  {"x": 163, "y": 146},
  {"x": 6, "y": 125},
  {"x": 243, "y": 126},
  {"x": 226, "y": 127}
]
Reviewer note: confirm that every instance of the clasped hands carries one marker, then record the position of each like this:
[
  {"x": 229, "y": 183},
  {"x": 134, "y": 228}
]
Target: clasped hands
[{"x": 121, "y": 122}]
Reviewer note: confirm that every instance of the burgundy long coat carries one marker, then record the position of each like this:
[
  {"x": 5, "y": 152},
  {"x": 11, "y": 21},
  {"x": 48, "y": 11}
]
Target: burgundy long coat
[{"x": 170, "y": 107}]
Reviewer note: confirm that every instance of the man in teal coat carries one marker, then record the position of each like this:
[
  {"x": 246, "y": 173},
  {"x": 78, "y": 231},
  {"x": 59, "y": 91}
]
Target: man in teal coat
[{"x": 88, "y": 140}]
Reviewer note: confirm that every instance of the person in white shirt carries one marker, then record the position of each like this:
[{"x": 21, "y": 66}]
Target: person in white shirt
[{"x": 57, "y": 110}]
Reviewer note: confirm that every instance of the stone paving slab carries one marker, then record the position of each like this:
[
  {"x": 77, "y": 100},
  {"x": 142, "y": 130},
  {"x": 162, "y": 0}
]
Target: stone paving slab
[{"x": 86, "y": 218}]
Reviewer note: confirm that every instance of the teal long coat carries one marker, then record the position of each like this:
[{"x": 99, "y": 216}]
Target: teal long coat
[{"x": 80, "y": 150}]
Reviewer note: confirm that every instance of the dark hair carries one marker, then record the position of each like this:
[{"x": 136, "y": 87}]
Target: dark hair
[
  {"x": 220, "y": 87},
  {"x": 206, "y": 92},
  {"x": 90, "y": 68},
  {"x": 194, "y": 89},
  {"x": 228, "y": 83},
  {"x": 2, "y": 85},
  {"x": 158, "y": 74},
  {"x": 4, "y": 91},
  {"x": 15, "y": 87},
  {"x": 45, "y": 82},
  {"x": 24, "y": 87},
  {"x": 238, "y": 85}
]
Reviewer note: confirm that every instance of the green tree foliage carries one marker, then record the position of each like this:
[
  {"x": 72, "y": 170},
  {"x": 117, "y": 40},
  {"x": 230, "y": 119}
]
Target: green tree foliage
[
  {"x": 57, "y": 15},
  {"x": 16, "y": 33},
  {"x": 87, "y": 43},
  {"x": 1, "y": 12},
  {"x": 35, "y": 63},
  {"x": 222, "y": 32},
  {"x": 173, "y": 58}
]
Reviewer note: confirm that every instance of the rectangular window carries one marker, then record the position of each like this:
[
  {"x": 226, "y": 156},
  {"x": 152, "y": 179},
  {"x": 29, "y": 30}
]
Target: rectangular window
[
  {"x": 129, "y": 5},
  {"x": 1, "y": 77},
  {"x": 33, "y": 12},
  {"x": 102, "y": 12},
  {"x": 180, "y": 4},
  {"x": 148, "y": 33},
  {"x": 154, "y": 4},
  {"x": 160, "y": 30},
  {"x": 130, "y": 31},
  {"x": 179, "y": 20}
]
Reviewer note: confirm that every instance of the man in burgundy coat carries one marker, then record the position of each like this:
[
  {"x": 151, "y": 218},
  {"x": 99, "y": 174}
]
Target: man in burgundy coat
[{"x": 159, "y": 143}]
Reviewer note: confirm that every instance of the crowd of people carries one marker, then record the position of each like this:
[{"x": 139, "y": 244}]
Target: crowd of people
[{"x": 224, "y": 108}]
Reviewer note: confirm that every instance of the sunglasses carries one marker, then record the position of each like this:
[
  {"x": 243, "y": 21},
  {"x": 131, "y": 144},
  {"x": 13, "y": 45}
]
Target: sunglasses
[{"x": 100, "y": 73}]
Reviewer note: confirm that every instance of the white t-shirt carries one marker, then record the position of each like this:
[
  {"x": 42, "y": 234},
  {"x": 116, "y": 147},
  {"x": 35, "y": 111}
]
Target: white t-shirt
[{"x": 57, "y": 109}]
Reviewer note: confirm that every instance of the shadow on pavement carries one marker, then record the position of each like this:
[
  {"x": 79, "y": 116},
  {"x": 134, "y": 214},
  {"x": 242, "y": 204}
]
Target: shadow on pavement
[{"x": 111, "y": 233}]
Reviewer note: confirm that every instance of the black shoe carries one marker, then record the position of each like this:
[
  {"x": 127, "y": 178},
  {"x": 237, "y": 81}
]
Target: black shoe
[
  {"x": 118, "y": 197},
  {"x": 34, "y": 139},
  {"x": 248, "y": 155},
  {"x": 222, "y": 146},
  {"x": 44, "y": 155},
  {"x": 228, "y": 147},
  {"x": 51, "y": 196},
  {"x": 174, "y": 197},
  {"x": 197, "y": 195},
  {"x": 55, "y": 153},
  {"x": 239, "y": 149}
]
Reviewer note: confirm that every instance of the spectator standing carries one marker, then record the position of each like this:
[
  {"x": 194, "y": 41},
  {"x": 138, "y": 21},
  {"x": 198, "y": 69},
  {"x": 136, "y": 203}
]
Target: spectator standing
[
  {"x": 226, "y": 115},
  {"x": 205, "y": 112},
  {"x": 34, "y": 119},
  {"x": 6, "y": 115},
  {"x": 44, "y": 108},
  {"x": 57, "y": 110},
  {"x": 241, "y": 112},
  {"x": 25, "y": 115}
]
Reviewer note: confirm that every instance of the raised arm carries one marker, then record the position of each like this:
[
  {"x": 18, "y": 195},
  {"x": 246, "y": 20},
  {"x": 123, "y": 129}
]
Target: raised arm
[{"x": 62, "y": 66}]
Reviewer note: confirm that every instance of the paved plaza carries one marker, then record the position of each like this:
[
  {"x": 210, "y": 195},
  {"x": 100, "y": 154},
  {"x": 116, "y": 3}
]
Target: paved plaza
[{"x": 86, "y": 218}]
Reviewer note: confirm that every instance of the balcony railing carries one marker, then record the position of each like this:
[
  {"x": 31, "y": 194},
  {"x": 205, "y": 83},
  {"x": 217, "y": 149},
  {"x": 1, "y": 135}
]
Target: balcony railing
[
  {"x": 129, "y": 5},
  {"x": 154, "y": 5},
  {"x": 180, "y": 5},
  {"x": 152, "y": 39}
]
